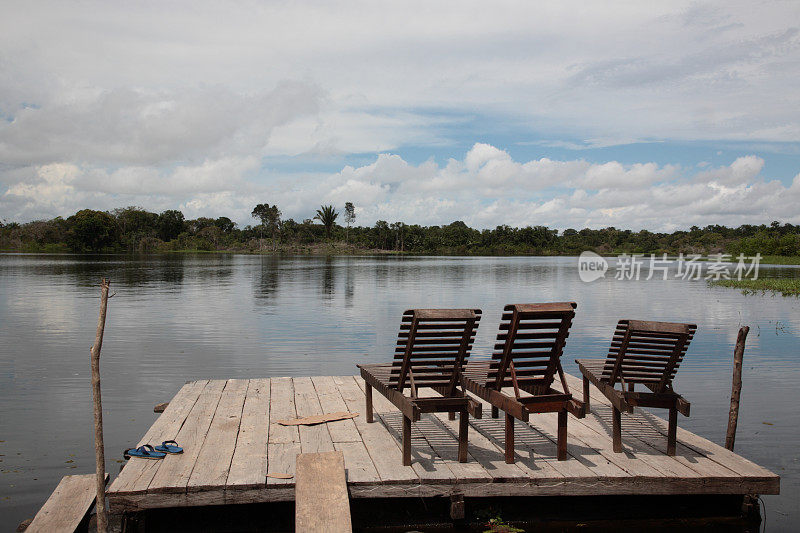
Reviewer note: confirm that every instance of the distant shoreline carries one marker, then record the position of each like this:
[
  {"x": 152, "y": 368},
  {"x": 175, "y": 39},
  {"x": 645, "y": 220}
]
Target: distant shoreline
[{"x": 343, "y": 249}]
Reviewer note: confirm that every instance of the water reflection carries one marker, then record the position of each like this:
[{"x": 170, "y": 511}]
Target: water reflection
[
  {"x": 327, "y": 278},
  {"x": 349, "y": 282},
  {"x": 268, "y": 276},
  {"x": 182, "y": 317}
]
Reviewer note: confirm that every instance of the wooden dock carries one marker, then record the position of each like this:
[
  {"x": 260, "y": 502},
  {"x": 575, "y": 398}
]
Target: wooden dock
[{"x": 232, "y": 445}]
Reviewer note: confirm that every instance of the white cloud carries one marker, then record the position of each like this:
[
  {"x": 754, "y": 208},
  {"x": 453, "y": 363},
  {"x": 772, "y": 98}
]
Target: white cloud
[
  {"x": 613, "y": 175},
  {"x": 484, "y": 189},
  {"x": 190, "y": 104},
  {"x": 743, "y": 170},
  {"x": 134, "y": 126},
  {"x": 607, "y": 73}
]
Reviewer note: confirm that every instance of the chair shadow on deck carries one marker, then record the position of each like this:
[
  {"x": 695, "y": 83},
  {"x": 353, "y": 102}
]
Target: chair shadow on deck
[
  {"x": 533, "y": 446},
  {"x": 644, "y": 427},
  {"x": 421, "y": 434},
  {"x": 433, "y": 441}
]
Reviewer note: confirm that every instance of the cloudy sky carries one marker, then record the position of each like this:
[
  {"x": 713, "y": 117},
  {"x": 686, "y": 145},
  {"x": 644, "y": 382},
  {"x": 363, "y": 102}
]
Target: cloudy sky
[{"x": 635, "y": 114}]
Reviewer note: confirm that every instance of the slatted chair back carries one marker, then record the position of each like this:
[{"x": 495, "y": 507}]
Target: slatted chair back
[
  {"x": 432, "y": 348},
  {"x": 532, "y": 337},
  {"x": 647, "y": 352}
]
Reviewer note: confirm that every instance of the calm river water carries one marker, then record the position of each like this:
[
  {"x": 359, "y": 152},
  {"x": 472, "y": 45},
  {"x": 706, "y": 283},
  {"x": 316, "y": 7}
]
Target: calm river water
[{"x": 183, "y": 317}]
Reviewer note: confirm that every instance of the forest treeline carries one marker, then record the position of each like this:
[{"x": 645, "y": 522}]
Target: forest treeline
[{"x": 133, "y": 229}]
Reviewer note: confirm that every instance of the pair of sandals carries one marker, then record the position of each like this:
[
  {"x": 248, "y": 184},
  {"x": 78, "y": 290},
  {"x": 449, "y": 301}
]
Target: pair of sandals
[{"x": 148, "y": 452}]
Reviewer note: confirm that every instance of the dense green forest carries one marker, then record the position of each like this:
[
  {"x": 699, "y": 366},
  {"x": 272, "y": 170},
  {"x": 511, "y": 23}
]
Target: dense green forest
[{"x": 132, "y": 229}]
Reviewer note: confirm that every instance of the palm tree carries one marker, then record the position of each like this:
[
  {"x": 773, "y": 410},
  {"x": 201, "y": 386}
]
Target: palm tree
[{"x": 327, "y": 215}]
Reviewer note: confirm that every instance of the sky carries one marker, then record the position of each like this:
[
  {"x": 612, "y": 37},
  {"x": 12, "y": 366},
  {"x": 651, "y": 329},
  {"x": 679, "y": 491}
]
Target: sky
[{"x": 635, "y": 115}]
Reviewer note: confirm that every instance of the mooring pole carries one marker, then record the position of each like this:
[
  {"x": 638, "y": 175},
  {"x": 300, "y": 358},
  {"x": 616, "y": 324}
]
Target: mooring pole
[
  {"x": 99, "y": 451},
  {"x": 736, "y": 387}
]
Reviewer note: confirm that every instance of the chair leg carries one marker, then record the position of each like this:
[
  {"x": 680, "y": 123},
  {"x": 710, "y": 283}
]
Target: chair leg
[
  {"x": 586, "y": 393},
  {"x": 368, "y": 395},
  {"x": 495, "y": 412},
  {"x": 451, "y": 415},
  {"x": 562, "y": 435},
  {"x": 463, "y": 436},
  {"x": 509, "y": 439},
  {"x": 406, "y": 441},
  {"x": 672, "y": 430},
  {"x": 617, "y": 429}
]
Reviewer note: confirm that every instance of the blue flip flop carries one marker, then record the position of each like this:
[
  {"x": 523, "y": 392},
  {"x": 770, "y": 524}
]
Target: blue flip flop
[
  {"x": 169, "y": 446},
  {"x": 145, "y": 452}
]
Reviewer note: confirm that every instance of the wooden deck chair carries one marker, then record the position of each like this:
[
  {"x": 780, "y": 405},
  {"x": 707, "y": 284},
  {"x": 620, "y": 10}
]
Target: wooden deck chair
[
  {"x": 648, "y": 353},
  {"x": 527, "y": 357},
  {"x": 432, "y": 349}
]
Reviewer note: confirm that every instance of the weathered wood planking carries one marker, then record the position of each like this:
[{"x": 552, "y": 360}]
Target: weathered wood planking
[
  {"x": 345, "y": 435},
  {"x": 284, "y": 441},
  {"x": 249, "y": 463},
  {"x": 536, "y": 453},
  {"x": 321, "y": 501},
  {"x": 174, "y": 470},
  {"x": 67, "y": 506},
  {"x": 696, "y": 451},
  {"x": 214, "y": 459},
  {"x": 137, "y": 474},
  {"x": 380, "y": 444},
  {"x": 313, "y": 439},
  {"x": 231, "y": 442},
  {"x": 331, "y": 401},
  {"x": 427, "y": 464}
]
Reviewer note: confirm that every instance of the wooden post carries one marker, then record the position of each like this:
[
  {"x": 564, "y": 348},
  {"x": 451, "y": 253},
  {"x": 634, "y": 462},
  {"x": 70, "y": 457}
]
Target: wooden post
[
  {"x": 406, "y": 441},
  {"x": 672, "y": 431},
  {"x": 368, "y": 397},
  {"x": 562, "y": 435},
  {"x": 509, "y": 439},
  {"x": 586, "y": 408},
  {"x": 463, "y": 435},
  {"x": 736, "y": 388},
  {"x": 99, "y": 451},
  {"x": 616, "y": 429}
]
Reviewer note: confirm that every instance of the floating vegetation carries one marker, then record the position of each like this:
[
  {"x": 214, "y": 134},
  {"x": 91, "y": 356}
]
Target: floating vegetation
[{"x": 784, "y": 286}]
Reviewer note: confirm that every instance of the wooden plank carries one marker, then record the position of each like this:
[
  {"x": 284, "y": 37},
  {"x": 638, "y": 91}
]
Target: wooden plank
[
  {"x": 249, "y": 463},
  {"x": 67, "y": 506},
  {"x": 372, "y": 454},
  {"x": 214, "y": 460},
  {"x": 484, "y": 452},
  {"x": 331, "y": 402},
  {"x": 446, "y": 446},
  {"x": 694, "y": 451},
  {"x": 700, "y": 455},
  {"x": 487, "y": 453},
  {"x": 632, "y": 431},
  {"x": 281, "y": 457},
  {"x": 321, "y": 501},
  {"x": 379, "y": 443},
  {"x": 284, "y": 441},
  {"x": 360, "y": 469},
  {"x": 595, "y": 451},
  {"x": 137, "y": 475},
  {"x": 534, "y": 451},
  {"x": 634, "y": 435},
  {"x": 282, "y": 406},
  {"x": 313, "y": 439},
  {"x": 174, "y": 470},
  {"x": 636, "y": 449},
  {"x": 427, "y": 464}
]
